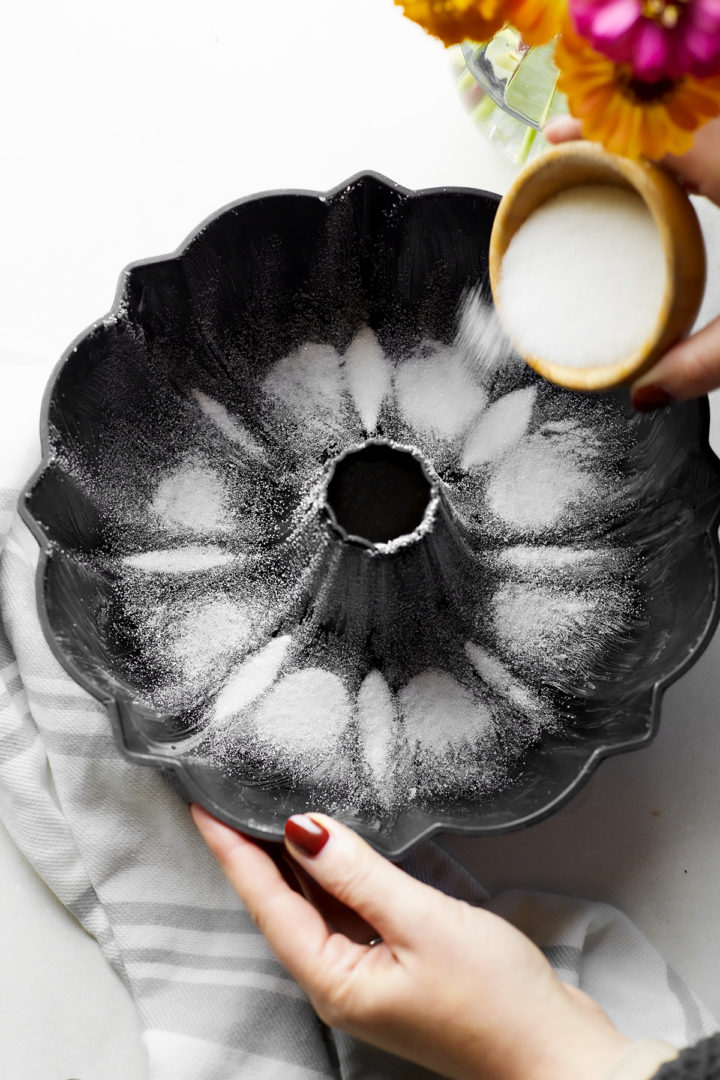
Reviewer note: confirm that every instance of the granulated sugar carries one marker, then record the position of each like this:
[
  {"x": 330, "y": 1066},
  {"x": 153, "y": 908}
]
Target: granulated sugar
[
  {"x": 309, "y": 384},
  {"x": 303, "y": 717},
  {"x": 198, "y": 637},
  {"x": 368, "y": 373},
  {"x": 548, "y": 559},
  {"x": 191, "y": 637},
  {"x": 500, "y": 678},
  {"x": 583, "y": 278},
  {"x": 437, "y": 394},
  {"x": 182, "y": 560},
  {"x": 377, "y": 726},
  {"x": 544, "y": 557},
  {"x": 482, "y": 341},
  {"x": 251, "y": 680},
  {"x": 228, "y": 425},
  {"x": 556, "y": 630},
  {"x": 191, "y": 497},
  {"x": 546, "y": 478},
  {"x": 440, "y": 713},
  {"x": 241, "y": 601},
  {"x": 503, "y": 424}
]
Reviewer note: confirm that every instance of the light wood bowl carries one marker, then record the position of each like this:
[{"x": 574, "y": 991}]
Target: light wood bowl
[{"x": 578, "y": 163}]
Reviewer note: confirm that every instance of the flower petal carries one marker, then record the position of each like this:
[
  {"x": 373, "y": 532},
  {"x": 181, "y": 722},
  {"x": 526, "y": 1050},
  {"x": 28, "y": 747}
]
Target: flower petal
[
  {"x": 582, "y": 13},
  {"x": 681, "y": 114},
  {"x": 651, "y": 51},
  {"x": 454, "y": 21},
  {"x": 624, "y": 125},
  {"x": 613, "y": 20},
  {"x": 594, "y": 104},
  {"x": 537, "y": 20},
  {"x": 598, "y": 93},
  {"x": 702, "y": 49}
]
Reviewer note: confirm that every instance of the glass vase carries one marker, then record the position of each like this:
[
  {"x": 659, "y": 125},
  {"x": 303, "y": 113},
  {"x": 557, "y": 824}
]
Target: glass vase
[{"x": 510, "y": 89}]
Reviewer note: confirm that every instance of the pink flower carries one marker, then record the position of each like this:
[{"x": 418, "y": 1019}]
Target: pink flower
[{"x": 657, "y": 38}]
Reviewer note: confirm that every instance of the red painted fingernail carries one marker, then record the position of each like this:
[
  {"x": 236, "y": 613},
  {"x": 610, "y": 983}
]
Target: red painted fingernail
[
  {"x": 649, "y": 398},
  {"x": 306, "y": 834}
]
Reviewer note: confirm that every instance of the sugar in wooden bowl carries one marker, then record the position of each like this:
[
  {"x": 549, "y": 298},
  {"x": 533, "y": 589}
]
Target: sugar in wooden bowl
[{"x": 597, "y": 265}]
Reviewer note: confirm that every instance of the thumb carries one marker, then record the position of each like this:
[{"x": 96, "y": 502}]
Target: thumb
[
  {"x": 562, "y": 129},
  {"x": 689, "y": 369},
  {"x": 391, "y": 901}
]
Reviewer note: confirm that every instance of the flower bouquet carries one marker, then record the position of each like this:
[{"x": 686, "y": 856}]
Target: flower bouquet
[{"x": 641, "y": 75}]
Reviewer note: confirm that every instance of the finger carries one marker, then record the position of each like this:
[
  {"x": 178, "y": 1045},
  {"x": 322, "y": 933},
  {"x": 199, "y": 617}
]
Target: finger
[
  {"x": 688, "y": 370},
  {"x": 346, "y": 867},
  {"x": 699, "y": 169},
  {"x": 339, "y": 917},
  {"x": 681, "y": 174},
  {"x": 276, "y": 851},
  {"x": 562, "y": 129},
  {"x": 295, "y": 931}
]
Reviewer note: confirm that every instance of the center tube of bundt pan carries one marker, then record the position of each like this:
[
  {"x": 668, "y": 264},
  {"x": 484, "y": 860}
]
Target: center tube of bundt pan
[
  {"x": 377, "y": 493},
  {"x": 396, "y": 574}
]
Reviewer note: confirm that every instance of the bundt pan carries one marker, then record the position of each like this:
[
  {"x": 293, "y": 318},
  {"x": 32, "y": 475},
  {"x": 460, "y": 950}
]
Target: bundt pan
[{"x": 318, "y": 539}]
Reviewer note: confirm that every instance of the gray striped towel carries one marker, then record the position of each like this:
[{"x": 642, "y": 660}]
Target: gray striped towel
[{"x": 117, "y": 846}]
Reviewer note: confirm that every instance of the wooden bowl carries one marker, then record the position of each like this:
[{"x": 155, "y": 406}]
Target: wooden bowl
[{"x": 579, "y": 163}]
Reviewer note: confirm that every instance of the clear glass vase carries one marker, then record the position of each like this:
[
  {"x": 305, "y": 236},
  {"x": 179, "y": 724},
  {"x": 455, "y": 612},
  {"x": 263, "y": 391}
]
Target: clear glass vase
[{"x": 510, "y": 89}]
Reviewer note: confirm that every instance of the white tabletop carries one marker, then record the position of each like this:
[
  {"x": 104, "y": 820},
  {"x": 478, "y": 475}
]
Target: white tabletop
[{"x": 123, "y": 126}]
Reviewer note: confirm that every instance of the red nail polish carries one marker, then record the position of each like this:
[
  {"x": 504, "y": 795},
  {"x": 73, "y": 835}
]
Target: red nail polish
[
  {"x": 306, "y": 834},
  {"x": 649, "y": 398}
]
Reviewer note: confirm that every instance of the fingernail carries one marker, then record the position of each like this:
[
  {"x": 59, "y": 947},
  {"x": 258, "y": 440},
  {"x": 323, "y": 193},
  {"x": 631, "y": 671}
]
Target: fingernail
[
  {"x": 306, "y": 834},
  {"x": 649, "y": 398}
]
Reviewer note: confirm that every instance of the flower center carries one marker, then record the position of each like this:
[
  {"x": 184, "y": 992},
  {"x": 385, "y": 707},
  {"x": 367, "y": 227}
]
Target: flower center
[
  {"x": 378, "y": 492},
  {"x": 641, "y": 92},
  {"x": 667, "y": 14}
]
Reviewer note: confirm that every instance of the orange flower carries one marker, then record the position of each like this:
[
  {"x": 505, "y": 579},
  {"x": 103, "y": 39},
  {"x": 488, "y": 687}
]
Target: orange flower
[
  {"x": 537, "y": 21},
  {"x": 625, "y": 114},
  {"x": 454, "y": 21}
]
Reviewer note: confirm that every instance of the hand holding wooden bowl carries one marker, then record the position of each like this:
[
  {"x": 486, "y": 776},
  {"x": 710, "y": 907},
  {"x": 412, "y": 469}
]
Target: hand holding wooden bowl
[{"x": 541, "y": 312}]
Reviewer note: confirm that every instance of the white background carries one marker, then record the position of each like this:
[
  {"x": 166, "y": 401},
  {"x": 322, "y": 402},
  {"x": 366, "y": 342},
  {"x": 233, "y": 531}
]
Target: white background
[{"x": 121, "y": 128}]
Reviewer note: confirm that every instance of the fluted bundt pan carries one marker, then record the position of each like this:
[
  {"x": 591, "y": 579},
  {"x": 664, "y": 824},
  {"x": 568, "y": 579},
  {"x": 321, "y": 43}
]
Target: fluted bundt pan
[{"x": 318, "y": 539}]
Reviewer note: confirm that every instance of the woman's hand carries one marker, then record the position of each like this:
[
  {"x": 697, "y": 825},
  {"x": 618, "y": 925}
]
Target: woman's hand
[
  {"x": 692, "y": 367},
  {"x": 450, "y": 986}
]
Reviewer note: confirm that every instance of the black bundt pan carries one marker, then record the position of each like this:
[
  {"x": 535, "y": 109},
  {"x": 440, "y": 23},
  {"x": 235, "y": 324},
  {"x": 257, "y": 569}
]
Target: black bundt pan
[{"x": 271, "y": 271}]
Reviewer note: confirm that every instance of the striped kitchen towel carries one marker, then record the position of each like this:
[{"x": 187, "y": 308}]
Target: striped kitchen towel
[{"x": 117, "y": 846}]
